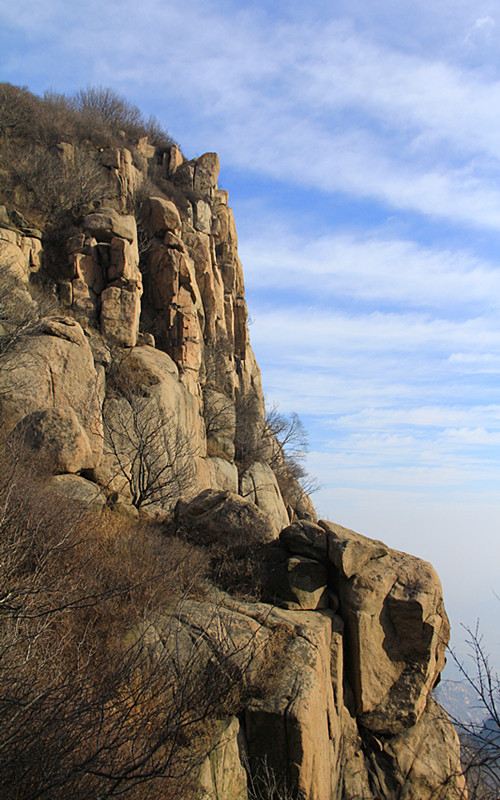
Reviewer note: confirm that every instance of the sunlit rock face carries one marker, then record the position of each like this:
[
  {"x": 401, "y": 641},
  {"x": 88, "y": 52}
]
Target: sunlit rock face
[{"x": 144, "y": 344}]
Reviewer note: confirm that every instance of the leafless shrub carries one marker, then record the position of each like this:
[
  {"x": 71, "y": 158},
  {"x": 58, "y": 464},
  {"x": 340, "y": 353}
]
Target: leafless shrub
[
  {"x": 152, "y": 454},
  {"x": 264, "y": 783},
  {"x": 108, "y": 682},
  {"x": 17, "y": 111},
  {"x": 480, "y": 741},
  {"x": 277, "y": 440},
  {"x": 58, "y": 187}
]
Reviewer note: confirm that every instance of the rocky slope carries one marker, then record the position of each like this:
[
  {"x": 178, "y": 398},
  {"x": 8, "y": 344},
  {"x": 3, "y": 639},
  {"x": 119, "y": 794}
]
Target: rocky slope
[{"x": 127, "y": 368}]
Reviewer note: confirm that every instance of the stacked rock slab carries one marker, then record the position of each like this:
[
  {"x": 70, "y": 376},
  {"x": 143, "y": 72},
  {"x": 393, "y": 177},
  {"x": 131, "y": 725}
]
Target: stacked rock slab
[{"x": 302, "y": 727}]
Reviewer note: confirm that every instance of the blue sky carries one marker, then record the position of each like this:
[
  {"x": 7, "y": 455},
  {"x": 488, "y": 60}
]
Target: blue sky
[{"x": 360, "y": 143}]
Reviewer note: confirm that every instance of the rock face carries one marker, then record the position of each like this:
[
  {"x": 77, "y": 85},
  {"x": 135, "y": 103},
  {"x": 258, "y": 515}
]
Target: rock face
[
  {"x": 135, "y": 383},
  {"x": 299, "y": 728},
  {"x": 396, "y": 626}
]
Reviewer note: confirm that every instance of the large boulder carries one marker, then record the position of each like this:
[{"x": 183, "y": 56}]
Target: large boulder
[
  {"x": 120, "y": 312},
  {"x": 396, "y": 626},
  {"x": 76, "y": 489},
  {"x": 222, "y": 516},
  {"x": 426, "y": 759},
  {"x": 53, "y": 369},
  {"x": 161, "y": 216},
  {"x": 259, "y": 485},
  {"x": 59, "y": 439},
  {"x": 106, "y": 223},
  {"x": 206, "y": 173}
]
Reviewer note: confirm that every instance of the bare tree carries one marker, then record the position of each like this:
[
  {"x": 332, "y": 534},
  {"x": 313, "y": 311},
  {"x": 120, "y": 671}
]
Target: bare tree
[
  {"x": 480, "y": 740},
  {"x": 153, "y": 456},
  {"x": 111, "y": 671},
  {"x": 56, "y": 186}
]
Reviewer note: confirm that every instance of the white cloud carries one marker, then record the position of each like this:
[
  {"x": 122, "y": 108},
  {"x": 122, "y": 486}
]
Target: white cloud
[
  {"x": 314, "y": 102},
  {"x": 370, "y": 268}
]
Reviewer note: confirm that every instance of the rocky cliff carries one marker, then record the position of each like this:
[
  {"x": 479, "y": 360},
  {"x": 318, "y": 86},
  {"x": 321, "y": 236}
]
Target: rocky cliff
[{"x": 127, "y": 370}]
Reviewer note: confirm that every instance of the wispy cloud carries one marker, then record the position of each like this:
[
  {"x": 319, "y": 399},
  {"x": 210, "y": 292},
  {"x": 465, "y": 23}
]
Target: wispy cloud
[
  {"x": 316, "y": 103},
  {"x": 371, "y": 268}
]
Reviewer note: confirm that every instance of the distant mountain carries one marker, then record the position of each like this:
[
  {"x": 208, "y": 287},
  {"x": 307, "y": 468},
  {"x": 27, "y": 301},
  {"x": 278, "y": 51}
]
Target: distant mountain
[{"x": 461, "y": 702}]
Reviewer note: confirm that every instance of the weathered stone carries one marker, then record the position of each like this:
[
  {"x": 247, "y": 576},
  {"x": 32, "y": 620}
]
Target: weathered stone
[
  {"x": 223, "y": 475},
  {"x": 123, "y": 263},
  {"x": 301, "y": 583},
  {"x": 111, "y": 157},
  {"x": 206, "y": 173},
  {"x": 214, "y": 516},
  {"x": 426, "y": 759},
  {"x": 161, "y": 216},
  {"x": 120, "y": 311},
  {"x": 259, "y": 485},
  {"x": 202, "y": 216},
  {"x": 183, "y": 176},
  {"x": 210, "y": 284},
  {"x": 78, "y": 490},
  {"x": 175, "y": 159},
  {"x": 396, "y": 626},
  {"x": 57, "y": 436},
  {"x": 145, "y": 339},
  {"x": 52, "y": 369},
  {"x": 296, "y": 728},
  {"x": 145, "y": 148},
  {"x": 86, "y": 268},
  {"x": 106, "y": 223}
]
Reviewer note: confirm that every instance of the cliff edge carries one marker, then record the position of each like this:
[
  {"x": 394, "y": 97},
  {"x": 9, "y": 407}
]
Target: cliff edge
[{"x": 127, "y": 370}]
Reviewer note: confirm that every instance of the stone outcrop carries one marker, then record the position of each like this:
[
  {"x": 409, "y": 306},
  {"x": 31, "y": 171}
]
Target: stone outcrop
[
  {"x": 218, "y": 516},
  {"x": 299, "y": 726},
  {"x": 134, "y": 381},
  {"x": 396, "y": 626},
  {"x": 53, "y": 370}
]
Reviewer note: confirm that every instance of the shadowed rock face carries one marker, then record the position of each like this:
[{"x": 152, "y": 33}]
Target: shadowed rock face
[{"x": 153, "y": 345}]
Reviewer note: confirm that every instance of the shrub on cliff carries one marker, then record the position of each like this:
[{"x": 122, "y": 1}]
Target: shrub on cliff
[
  {"x": 95, "y": 114},
  {"x": 277, "y": 440},
  {"x": 99, "y": 696}
]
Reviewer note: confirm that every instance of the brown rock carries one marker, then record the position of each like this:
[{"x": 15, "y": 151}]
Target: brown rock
[
  {"x": 175, "y": 159},
  {"x": 120, "y": 311},
  {"x": 58, "y": 437},
  {"x": 396, "y": 625},
  {"x": 223, "y": 475},
  {"x": 124, "y": 264},
  {"x": 297, "y": 582},
  {"x": 206, "y": 173},
  {"x": 259, "y": 485},
  {"x": 53, "y": 369},
  {"x": 162, "y": 216},
  {"x": 79, "y": 490},
  {"x": 202, "y": 216},
  {"x": 215, "y": 516},
  {"x": 306, "y": 539},
  {"x": 106, "y": 223}
]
